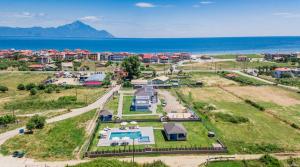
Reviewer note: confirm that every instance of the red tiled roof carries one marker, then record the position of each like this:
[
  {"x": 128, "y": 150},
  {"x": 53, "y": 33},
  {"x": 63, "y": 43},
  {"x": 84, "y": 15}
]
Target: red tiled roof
[
  {"x": 92, "y": 83},
  {"x": 282, "y": 69},
  {"x": 147, "y": 56},
  {"x": 36, "y": 66},
  {"x": 164, "y": 57}
]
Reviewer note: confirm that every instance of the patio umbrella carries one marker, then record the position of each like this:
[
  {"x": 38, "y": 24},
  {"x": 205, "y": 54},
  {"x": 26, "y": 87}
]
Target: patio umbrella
[
  {"x": 124, "y": 123},
  {"x": 115, "y": 139},
  {"x": 133, "y": 122}
]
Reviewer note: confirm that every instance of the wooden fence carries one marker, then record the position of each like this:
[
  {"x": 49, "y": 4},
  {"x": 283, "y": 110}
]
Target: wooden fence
[{"x": 145, "y": 151}]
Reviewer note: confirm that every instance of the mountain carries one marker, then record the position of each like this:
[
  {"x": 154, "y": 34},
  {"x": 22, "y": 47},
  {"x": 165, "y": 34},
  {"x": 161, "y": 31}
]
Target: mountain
[{"x": 75, "y": 30}]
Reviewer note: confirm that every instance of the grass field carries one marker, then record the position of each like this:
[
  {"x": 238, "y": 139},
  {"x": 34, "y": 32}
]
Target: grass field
[
  {"x": 262, "y": 133},
  {"x": 20, "y": 99},
  {"x": 211, "y": 79},
  {"x": 230, "y": 56},
  {"x": 112, "y": 104},
  {"x": 283, "y": 103},
  {"x": 231, "y": 65},
  {"x": 197, "y": 135},
  {"x": 127, "y": 100},
  {"x": 56, "y": 141},
  {"x": 160, "y": 67}
]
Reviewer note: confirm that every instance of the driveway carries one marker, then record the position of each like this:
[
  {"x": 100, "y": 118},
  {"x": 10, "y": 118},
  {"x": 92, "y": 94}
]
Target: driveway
[{"x": 172, "y": 103}]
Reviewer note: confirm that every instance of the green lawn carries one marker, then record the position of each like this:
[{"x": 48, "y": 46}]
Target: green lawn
[
  {"x": 127, "y": 100},
  {"x": 262, "y": 133},
  {"x": 231, "y": 56},
  {"x": 56, "y": 141},
  {"x": 197, "y": 136},
  {"x": 113, "y": 104},
  {"x": 232, "y": 65},
  {"x": 23, "y": 103}
]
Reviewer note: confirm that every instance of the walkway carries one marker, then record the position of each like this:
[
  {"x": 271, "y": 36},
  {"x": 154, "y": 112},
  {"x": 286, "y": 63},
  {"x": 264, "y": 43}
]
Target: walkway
[{"x": 74, "y": 112}]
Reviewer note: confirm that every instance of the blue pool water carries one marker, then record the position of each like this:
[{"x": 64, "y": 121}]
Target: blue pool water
[
  {"x": 131, "y": 135},
  {"x": 144, "y": 139}
]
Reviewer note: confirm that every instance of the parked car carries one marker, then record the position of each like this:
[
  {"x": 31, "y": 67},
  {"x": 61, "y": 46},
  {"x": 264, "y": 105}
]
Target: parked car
[
  {"x": 15, "y": 153},
  {"x": 21, "y": 154}
]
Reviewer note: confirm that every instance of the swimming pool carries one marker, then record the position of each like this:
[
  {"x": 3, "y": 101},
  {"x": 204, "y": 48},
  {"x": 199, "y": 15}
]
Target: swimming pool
[
  {"x": 131, "y": 135},
  {"x": 144, "y": 139}
]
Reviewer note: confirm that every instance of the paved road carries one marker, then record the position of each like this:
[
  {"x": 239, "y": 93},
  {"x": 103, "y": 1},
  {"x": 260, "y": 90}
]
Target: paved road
[
  {"x": 75, "y": 112},
  {"x": 269, "y": 82}
]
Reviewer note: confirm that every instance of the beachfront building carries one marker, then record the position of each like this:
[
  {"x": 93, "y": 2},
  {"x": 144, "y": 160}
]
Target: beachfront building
[
  {"x": 143, "y": 98},
  {"x": 117, "y": 57},
  {"x": 36, "y": 67},
  {"x": 175, "y": 131}
]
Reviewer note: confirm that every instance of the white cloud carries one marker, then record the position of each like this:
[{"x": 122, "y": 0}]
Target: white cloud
[
  {"x": 26, "y": 15},
  {"x": 206, "y": 2},
  {"x": 90, "y": 18},
  {"x": 144, "y": 5},
  {"x": 287, "y": 14}
]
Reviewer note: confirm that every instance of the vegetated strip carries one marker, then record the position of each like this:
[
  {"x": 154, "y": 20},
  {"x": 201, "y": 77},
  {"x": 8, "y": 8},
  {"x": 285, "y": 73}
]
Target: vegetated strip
[{"x": 261, "y": 108}]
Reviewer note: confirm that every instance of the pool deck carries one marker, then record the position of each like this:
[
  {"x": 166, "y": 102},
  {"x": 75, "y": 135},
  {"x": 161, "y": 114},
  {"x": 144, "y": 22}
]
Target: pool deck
[{"x": 146, "y": 131}]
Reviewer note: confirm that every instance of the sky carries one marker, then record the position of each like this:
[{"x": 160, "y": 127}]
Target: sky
[{"x": 161, "y": 18}]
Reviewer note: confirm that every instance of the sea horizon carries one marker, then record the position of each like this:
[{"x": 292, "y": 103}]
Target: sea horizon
[{"x": 197, "y": 45}]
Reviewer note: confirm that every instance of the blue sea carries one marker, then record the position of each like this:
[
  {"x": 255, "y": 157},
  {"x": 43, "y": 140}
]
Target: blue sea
[{"x": 155, "y": 45}]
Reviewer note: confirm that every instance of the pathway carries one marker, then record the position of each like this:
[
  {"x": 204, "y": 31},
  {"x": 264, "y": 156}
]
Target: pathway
[
  {"x": 120, "y": 105},
  {"x": 74, "y": 112},
  {"x": 269, "y": 82},
  {"x": 171, "y": 160}
]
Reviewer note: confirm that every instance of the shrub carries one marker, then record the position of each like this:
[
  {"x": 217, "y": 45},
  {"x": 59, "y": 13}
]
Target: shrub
[
  {"x": 30, "y": 86},
  {"x": 127, "y": 84},
  {"x": 41, "y": 87},
  {"x": 33, "y": 91},
  {"x": 21, "y": 87},
  {"x": 7, "y": 119},
  {"x": 295, "y": 126},
  {"x": 270, "y": 161},
  {"x": 252, "y": 103},
  {"x": 36, "y": 122},
  {"x": 57, "y": 90},
  {"x": 199, "y": 105},
  {"x": 3, "y": 88},
  {"x": 49, "y": 90},
  {"x": 230, "y": 118}
]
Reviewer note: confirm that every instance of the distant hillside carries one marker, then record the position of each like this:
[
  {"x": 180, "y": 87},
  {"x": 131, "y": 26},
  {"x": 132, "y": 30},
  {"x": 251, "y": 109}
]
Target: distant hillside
[{"x": 75, "y": 30}]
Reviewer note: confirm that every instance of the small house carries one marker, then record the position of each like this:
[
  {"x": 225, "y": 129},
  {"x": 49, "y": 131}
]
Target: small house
[
  {"x": 36, "y": 67},
  {"x": 175, "y": 131},
  {"x": 67, "y": 66},
  {"x": 160, "y": 80},
  {"x": 138, "y": 83},
  {"x": 143, "y": 98},
  {"x": 242, "y": 59},
  {"x": 282, "y": 72},
  {"x": 105, "y": 115}
]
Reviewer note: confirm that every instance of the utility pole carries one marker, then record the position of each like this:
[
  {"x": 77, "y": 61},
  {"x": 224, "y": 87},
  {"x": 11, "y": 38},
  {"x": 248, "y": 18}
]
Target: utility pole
[{"x": 133, "y": 151}]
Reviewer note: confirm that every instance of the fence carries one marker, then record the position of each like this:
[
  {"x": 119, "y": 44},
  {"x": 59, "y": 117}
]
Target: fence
[{"x": 175, "y": 150}]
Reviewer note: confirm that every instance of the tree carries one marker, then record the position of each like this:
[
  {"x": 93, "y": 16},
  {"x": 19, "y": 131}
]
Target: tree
[
  {"x": 3, "y": 89},
  {"x": 132, "y": 66},
  {"x": 21, "y": 87},
  {"x": 49, "y": 90},
  {"x": 36, "y": 122},
  {"x": 33, "y": 91},
  {"x": 30, "y": 126}
]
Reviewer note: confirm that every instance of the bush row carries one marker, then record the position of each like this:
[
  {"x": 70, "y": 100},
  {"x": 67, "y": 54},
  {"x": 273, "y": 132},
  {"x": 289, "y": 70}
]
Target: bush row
[
  {"x": 252, "y": 103},
  {"x": 231, "y": 118}
]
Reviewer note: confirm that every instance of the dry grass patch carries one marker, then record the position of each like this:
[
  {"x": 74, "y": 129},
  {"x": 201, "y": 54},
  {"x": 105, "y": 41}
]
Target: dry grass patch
[
  {"x": 266, "y": 94},
  {"x": 209, "y": 94}
]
